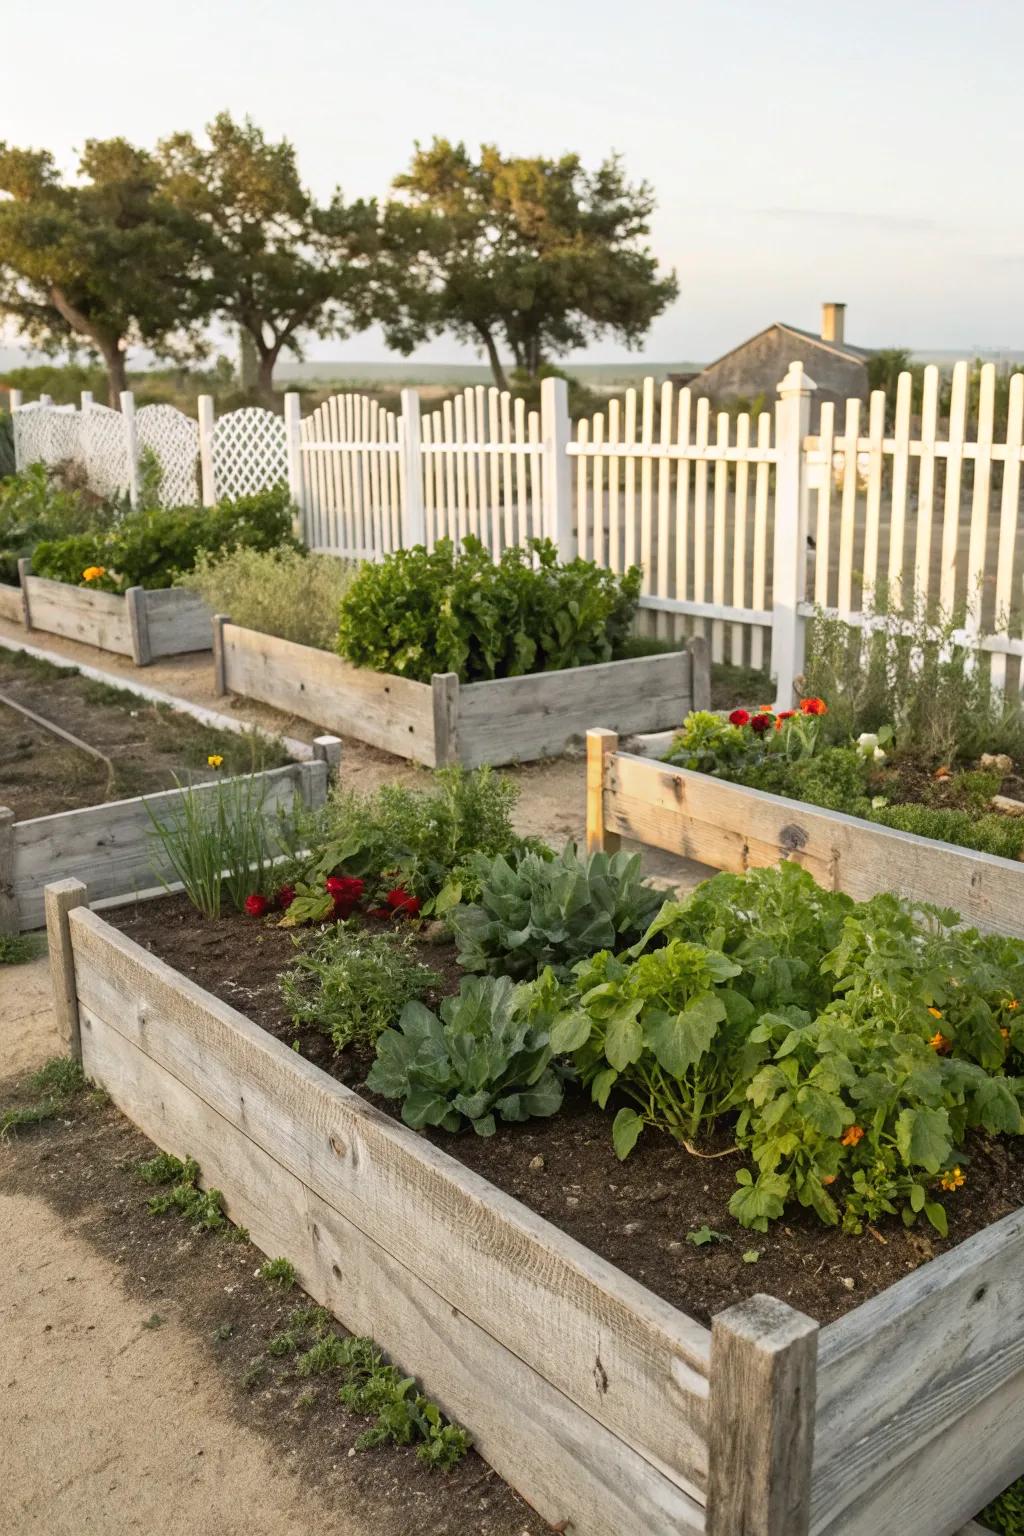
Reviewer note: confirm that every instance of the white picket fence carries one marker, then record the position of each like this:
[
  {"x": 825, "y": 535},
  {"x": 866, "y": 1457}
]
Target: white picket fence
[{"x": 741, "y": 525}]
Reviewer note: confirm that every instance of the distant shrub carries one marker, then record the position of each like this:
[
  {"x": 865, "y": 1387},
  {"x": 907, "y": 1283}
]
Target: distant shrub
[
  {"x": 278, "y": 591},
  {"x": 418, "y": 612},
  {"x": 151, "y": 548}
]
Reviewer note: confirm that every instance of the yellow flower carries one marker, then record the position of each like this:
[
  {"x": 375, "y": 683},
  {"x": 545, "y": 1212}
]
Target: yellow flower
[
  {"x": 215, "y": 760},
  {"x": 939, "y": 1043},
  {"x": 94, "y": 572},
  {"x": 936, "y": 1013},
  {"x": 1012, "y": 1005},
  {"x": 953, "y": 1178}
]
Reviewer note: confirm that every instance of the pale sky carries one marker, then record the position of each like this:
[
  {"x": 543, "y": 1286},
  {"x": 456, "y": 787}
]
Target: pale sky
[{"x": 867, "y": 152}]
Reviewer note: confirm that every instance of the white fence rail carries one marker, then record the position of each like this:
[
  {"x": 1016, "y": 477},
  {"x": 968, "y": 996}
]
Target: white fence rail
[{"x": 741, "y": 524}]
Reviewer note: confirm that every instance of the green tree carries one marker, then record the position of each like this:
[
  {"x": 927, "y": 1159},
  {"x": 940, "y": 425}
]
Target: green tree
[
  {"x": 99, "y": 264},
  {"x": 279, "y": 263},
  {"x": 534, "y": 255}
]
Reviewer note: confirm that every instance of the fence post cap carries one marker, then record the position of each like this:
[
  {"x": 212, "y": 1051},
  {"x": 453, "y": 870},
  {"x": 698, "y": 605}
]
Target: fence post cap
[{"x": 796, "y": 381}]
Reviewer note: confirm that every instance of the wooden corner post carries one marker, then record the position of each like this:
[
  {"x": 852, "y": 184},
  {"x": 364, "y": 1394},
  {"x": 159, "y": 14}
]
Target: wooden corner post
[
  {"x": 60, "y": 898},
  {"x": 138, "y": 625},
  {"x": 601, "y": 745},
  {"x": 8, "y": 903},
  {"x": 446, "y": 718},
  {"x": 220, "y": 684},
  {"x": 700, "y": 672},
  {"x": 24, "y": 572},
  {"x": 327, "y": 749},
  {"x": 763, "y": 1367}
]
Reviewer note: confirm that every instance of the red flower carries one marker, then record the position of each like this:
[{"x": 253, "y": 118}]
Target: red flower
[
  {"x": 399, "y": 900},
  {"x": 346, "y": 891},
  {"x": 284, "y": 898},
  {"x": 761, "y": 723},
  {"x": 786, "y": 714},
  {"x": 740, "y": 717},
  {"x": 256, "y": 905},
  {"x": 813, "y": 707}
]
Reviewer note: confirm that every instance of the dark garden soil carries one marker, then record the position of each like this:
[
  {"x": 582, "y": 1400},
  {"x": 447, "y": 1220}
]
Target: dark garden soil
[
  {"x": 905, "y": 781},
  {"x": 83, "y": 1163},
  {"x": 146, "y": 746},
  {"x": 638, "y": 1214}
]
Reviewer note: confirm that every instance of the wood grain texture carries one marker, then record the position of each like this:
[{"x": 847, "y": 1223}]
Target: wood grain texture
[
  {"x": 177, "y": 622},
  {"x": 903, "y": 1379},
  {"x": 580, "y": 1476},
  {"x": 10, "y": 604},
  {"x": 77, "y": 613},
  {"x": 61, "y": 897},
  {"x": 762, "y": 1419},
  {"x": 627, "y": 1359},
  {"x": 8, "y": 901},
  {"x": 600, "y": 745},
  {"x": 113, "y": 846},
  {"x": 728, "y": 826},
  {"x": 519, "y": 719},
  {"x": 445, "y": 689},
  {"x": 388, "y": 712},
  {"x": 135, "y": 605}
]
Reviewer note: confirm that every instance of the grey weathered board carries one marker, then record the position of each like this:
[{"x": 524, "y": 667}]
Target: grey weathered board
[
  {"x": 79, "y": 613},
  {"x": 584, "y": 1390},
  {"x": 729, "y": 826},
  {"x": 174, "y": 622},
  {"x": 113, "y": 845},
  {"x": 517, "y": 719}
]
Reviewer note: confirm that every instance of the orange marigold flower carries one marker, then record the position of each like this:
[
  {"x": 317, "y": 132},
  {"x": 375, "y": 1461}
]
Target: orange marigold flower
[
  {"x": 813, "y": 707},
  {"x": 853, "y": 1135},
  {"x": 936, "y": 1013},
  {"x": 939, "y": 1043},
  {"x": 94, "y": 572},
  {"x": 953, "y": 1178},
  {"x": 1012, "y": 1005},
  {"x": 828, "y": 1178}
]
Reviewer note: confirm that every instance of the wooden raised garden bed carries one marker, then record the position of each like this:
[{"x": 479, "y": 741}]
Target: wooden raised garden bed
[
  {"x": 114, "y": 843},
  {"x": 142, "y": 624},
  {"x": 515, "y": 719},
  {"x": 610, "y": 1410},
  {"x": 729, "y": 826}
]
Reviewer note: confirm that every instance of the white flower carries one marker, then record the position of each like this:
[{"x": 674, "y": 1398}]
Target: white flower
[
  {"x": 878, "y": 755},
  {"x": 867, "y": 741}
]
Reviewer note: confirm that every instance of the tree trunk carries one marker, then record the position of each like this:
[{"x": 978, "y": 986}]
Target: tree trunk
[
  {"x": 265, "y": 375},
  {"x": 117, "y": 374},
  {"x": 492, "y": 356}
]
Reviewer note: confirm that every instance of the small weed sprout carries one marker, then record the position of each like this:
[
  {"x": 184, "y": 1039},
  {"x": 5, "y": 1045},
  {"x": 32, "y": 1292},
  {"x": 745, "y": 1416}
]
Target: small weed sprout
[
  {"x": 279, "y": 1272},
  {"x": 56, "y": 1083}
]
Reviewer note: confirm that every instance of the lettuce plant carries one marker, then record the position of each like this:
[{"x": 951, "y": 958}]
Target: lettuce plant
[
  {"x": 535, "y": 911},
  {"x": 487, "y": 1056}
]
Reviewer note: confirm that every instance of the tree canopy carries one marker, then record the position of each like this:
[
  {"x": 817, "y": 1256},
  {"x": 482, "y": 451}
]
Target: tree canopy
[
  {"x": 101, "y": 263},
  {"x": 279, "y": 264},
  {"x": 537, "y": 255}
]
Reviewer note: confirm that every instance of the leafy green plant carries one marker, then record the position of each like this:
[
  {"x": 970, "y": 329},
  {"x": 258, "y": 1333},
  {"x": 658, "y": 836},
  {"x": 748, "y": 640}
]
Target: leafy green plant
[
  {"x": 417, "y": 612},
  {"x": 280, "y": 591},
  {"x": 218, "y": 842},
  {"x": 423, "y": 839},
  {"x": 352, "y": 984},
  {"x": 278, "y": 1272},
  {"x": 202, "y": 1208},
  {"x": 487, "y": 1056},
  {"x": 56, "y": 1083},
  {"x": 665, "y": 1031},
  {"x": 35, "y": 506},
  {"x": 152, "y": 548},
  {"x": 534, "y": 911},
  {"x": 18, "y": 948},
  {"x": 1005, "y": 1514}
]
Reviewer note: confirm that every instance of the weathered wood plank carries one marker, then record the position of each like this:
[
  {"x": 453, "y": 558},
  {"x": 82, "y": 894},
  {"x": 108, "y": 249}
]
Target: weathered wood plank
[
  {"x": 8, "y": 901},
  {"x": 731, "y": 827},
  {"x": 579, "y": 1475},
  {"x": 79, "y": 613},
  {"x": 177, "y": 621},
  {"x": 61, "y": 897},
  {"x": 522, "y": 718},
  {"x": 762, "y": 1419},
  {"x": 388, "y": 712},
  {"x": 627, "y": 1358},
  {"x": 600, "y": 745},
  {"x": 10, "y": 604},
  {"x": 113, "y": 845},
  {"x": 903, "y": 1384}
]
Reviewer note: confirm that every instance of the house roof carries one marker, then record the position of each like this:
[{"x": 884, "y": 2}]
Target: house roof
[{"x": 837, "y": 349}]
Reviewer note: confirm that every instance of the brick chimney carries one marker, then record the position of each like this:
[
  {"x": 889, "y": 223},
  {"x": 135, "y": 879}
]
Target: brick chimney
[{"x": 833, "y": 318}]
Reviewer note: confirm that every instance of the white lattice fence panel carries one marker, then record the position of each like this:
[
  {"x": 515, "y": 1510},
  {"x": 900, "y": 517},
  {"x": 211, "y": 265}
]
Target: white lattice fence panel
[
  {"x": 249, "y": 452},
  {"x": 46, "y": 434},
  {"x": 174, "y": 438},
  {"x": 104, "y": 450}
]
